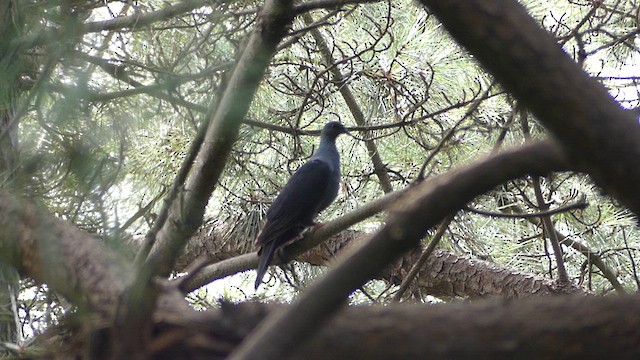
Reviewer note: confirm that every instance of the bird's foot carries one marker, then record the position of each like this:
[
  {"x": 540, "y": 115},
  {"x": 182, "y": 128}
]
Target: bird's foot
[
  {"x": 314, "y": 227},
  {"x": 280, "y": 251}
]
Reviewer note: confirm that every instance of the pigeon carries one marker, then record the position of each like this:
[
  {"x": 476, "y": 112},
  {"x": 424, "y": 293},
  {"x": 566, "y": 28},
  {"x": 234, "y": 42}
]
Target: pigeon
[{"x": 309, "y": 191}]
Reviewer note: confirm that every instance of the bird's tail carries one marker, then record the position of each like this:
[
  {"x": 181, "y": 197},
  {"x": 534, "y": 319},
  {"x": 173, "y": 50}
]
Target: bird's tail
[{"x": 266, "y": 255}]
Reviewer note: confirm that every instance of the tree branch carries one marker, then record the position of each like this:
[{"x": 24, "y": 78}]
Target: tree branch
[
  {"x": 327, "y": 4},
  {"x": 581, "y": 204},
  {"x": 124, "y": 22},
  {"x": 187, "y": 210},
  {"x": 418, "y": 264},
  {"x": 575, "y": 108},
  {"x": 543, "y": 328},
  {"x": 68, "y": 260}
]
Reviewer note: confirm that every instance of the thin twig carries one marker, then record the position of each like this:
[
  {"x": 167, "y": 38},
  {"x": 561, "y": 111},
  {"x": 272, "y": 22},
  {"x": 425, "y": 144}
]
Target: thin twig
[
  {"x": 474, "y": 106},
  {"x": 423, "y": 258},
  {"x": 548, "y": 227},
  {"x": 581, "y": 204}
]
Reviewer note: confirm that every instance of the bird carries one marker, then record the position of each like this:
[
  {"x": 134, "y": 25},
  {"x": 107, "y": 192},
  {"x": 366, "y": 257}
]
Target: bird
[{"x": 310, "y": 190}]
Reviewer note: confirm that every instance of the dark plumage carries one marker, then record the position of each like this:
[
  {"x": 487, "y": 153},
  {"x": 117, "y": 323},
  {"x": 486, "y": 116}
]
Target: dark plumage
[{"x": 309, "y": 191}]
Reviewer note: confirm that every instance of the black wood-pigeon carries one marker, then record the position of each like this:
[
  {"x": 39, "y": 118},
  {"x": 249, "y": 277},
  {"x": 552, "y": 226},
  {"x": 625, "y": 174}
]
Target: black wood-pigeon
[{"x": 309, "y": 191}]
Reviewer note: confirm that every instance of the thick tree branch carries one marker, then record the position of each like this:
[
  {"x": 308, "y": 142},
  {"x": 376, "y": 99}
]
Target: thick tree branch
[
  {"x": 424, "y": 256},
  {"x": 547, "y": 328},
  {"x": 68, "y": 260},
  {"x": 444, "y": 274},
  {"x": 187, "y": 210},
  {"x": 577, "y": 109}
]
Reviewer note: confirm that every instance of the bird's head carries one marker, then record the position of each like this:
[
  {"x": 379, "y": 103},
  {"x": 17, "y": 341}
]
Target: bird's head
[{"x": 333, "y": 129}]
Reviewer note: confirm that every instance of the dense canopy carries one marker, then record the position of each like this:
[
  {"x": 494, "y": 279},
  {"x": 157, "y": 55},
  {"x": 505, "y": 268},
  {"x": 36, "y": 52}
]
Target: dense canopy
[{"x": 494, "y": 155}]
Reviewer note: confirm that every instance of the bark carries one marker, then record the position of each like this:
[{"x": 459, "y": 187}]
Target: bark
[
  {"x": 444, "y": 274},
  {"x": 541, "y": 328},
  {"x": 547, "y": 328},
  {"x": 54, "y": 252}
]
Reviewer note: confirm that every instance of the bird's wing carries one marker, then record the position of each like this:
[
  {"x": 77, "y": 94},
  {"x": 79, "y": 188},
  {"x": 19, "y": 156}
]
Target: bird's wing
[{"x": 298, "y": 202}]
